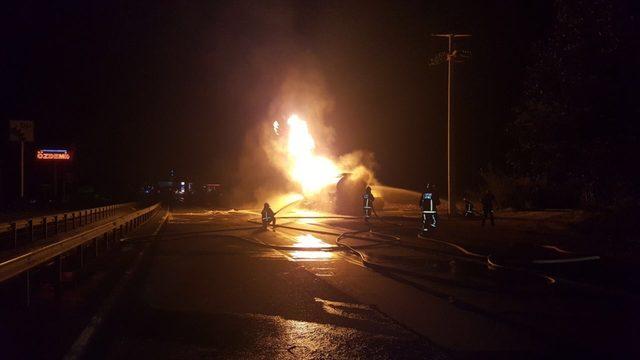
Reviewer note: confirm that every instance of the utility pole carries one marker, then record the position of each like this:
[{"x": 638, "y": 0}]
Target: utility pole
[
  {"x": 21, "y": 131},
  {"x": 451, "y": 56},
  {"x": 21, "y": 170}
]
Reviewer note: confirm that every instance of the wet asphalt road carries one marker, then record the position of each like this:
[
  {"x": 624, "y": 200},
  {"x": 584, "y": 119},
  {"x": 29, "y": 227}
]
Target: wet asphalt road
[
  {"x": 216, "y": 296},
  {"x": 208, "y": 287}
]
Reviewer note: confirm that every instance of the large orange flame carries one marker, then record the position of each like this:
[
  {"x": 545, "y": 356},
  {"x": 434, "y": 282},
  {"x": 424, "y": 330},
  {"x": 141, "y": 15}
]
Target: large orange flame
[{"x": 311, "y": 171}]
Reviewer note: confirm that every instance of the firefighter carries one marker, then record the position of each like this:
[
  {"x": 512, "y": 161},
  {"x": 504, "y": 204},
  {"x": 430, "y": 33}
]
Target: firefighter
[
  {"x": 429, "y": 206},
  {"x": 268, "y": 216},
  {"x": 368, "y": 200},
  {"x": 468, "y": 205},
  {"x": 487, "y": 207}
]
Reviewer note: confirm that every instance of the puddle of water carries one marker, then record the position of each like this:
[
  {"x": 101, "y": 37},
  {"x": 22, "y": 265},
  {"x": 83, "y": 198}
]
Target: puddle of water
[
  {"x": 322, "y": 271},
  {"x": 351, "y": 311},
  {"x": 311, "y": 242},
  {"x": 296, "y": 339}
]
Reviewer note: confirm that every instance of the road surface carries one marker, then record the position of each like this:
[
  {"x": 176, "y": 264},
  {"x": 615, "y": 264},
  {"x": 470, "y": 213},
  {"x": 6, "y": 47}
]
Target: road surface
[{"x": 213, "y": 284}]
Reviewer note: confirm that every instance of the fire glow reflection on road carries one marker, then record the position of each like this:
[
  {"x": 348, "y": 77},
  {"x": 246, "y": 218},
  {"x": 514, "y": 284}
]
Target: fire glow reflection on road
[{"x": 310, "y": 241}]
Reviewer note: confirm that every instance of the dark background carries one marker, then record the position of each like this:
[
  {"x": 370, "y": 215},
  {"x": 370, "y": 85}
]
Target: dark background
[{"x": 140, "y": 87}]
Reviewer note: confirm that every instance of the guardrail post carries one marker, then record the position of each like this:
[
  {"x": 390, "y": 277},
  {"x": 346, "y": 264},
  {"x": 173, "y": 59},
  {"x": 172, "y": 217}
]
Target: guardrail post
[
  {"x": 55, "y": 221},
  {"x": 58, "y": 270},
  {"x": 14, "y": 234},
  {"x": 81, "y": 255},
  {"x": 30, "y": 227},
  {"x": 44, "y": 227},
  {"x": 27, "y": 288},
  {"x": 65, "y": 219}
]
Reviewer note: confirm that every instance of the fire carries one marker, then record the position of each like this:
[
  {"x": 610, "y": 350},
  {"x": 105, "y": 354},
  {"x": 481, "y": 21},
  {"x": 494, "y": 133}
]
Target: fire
[{"x": 311, "y": 171}]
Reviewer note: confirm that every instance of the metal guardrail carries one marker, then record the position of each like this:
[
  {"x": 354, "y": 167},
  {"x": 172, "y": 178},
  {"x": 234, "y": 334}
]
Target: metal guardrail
[
  {"x": 30, "y": 258},
  {"x": 41, "y": 227}
]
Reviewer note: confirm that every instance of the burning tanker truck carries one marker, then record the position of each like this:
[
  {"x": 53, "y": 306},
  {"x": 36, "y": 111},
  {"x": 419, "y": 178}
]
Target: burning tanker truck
[
  {"x": 293, "y": 151},
  {"x": 349, "y": 195}
]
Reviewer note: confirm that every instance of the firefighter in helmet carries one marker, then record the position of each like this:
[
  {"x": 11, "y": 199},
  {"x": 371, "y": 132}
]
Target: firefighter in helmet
[
  {"x": 268, "y": 216},
  {"x": 367, "y": 204},
  {"x": 468, "y": 205},
  {"x": 488, "y": 201},
  {"x": 429, "y": 207}
]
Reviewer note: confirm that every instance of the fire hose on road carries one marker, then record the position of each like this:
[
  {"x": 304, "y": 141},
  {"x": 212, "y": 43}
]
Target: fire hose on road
[{"x": 378, "y": 239}]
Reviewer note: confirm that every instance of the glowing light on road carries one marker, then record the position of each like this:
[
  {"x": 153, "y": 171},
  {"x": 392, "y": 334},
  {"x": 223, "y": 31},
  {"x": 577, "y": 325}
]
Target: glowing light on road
[
  {"x": 311, "y": 242},
  {"x": 313, "y": 172}
]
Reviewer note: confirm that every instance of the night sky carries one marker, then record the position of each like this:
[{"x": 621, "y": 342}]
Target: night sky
[{"x": 139, "y": 87}]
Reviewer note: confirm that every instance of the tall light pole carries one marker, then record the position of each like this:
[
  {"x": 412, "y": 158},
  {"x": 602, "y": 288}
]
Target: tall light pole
[{"x": 451, "y": 56}]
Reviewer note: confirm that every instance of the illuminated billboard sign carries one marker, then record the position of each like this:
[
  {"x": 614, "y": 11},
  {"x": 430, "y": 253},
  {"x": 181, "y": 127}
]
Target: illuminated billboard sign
[{"x": 53, "y": 154}]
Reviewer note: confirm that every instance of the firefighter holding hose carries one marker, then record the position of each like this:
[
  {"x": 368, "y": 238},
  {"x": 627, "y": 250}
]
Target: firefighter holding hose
[
  {"x": 368, "y": 200},
  {"x": 268, "y": 216},
  {"x": 429, "y": 206}
]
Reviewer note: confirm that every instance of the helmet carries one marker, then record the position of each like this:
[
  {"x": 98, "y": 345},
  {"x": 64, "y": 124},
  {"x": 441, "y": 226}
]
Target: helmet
[
  {"x": 429, "y": 186},
  {"x": 266, "y": 205},
  {"x": 368, "y": 188}
]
